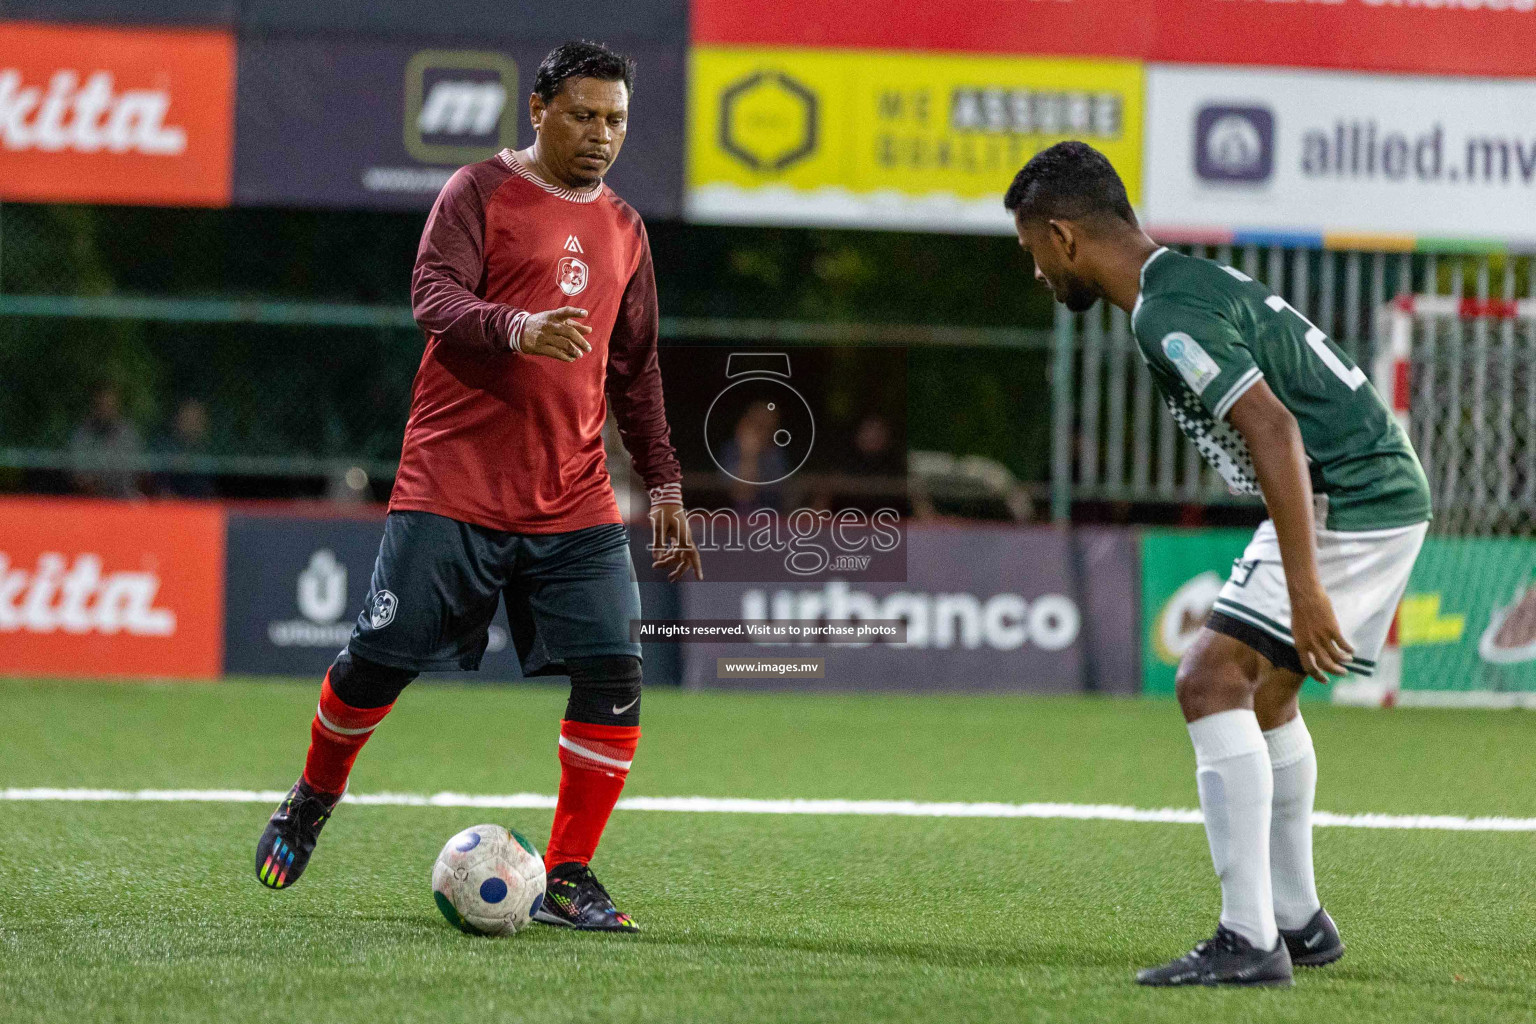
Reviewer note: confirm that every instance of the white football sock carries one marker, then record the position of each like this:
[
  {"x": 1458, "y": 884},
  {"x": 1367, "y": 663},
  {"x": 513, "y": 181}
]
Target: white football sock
[
  {"x": 1290, "y": 833},
  {"x": 1236, "y": 787}
]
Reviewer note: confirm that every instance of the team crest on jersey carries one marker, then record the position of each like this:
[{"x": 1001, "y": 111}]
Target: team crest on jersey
[
  {"x": 381, "y": 610},
  {"x": 571, "y": 276},
  {"x": 1193, "y": 363}
]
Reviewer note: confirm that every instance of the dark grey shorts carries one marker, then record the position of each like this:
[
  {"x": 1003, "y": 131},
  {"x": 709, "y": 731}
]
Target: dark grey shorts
[{"x": 437, "y": 583}]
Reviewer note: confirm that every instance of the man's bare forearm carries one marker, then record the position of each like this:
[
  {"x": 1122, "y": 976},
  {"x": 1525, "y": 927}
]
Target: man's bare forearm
[{"x": 1280, "y": 463}]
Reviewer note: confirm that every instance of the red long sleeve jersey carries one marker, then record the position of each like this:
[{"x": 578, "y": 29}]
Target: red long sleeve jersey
[{"x": 510, "y": 441}]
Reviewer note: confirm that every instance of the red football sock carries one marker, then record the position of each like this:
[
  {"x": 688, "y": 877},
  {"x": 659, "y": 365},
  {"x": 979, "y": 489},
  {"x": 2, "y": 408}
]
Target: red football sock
[
  {"x": 594, "y": 762},
  {"x": 335, "y": 737}
]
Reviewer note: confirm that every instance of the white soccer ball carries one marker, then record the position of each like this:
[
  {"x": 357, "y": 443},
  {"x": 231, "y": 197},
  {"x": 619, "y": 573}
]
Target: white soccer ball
[{"x": 488, "y": 880}]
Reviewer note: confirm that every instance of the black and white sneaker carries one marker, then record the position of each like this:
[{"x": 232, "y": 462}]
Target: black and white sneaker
[
  {"x": 1224, "y": 959},
  {"x": 574, "y": 898},
  {"x": 282, "y": 852},
  {"x": 1315, "y": 943}
]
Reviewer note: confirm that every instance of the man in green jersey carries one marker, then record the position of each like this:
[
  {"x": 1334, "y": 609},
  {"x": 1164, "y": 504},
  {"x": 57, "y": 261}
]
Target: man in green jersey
[{"x": 1281, "y": 412}]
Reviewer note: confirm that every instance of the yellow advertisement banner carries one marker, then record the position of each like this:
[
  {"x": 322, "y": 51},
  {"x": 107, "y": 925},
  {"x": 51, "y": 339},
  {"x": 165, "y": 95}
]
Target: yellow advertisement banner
[{"x": 889, "y": 139}]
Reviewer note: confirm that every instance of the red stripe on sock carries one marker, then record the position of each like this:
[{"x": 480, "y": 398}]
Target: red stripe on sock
[
  {"x": 332, "y": 754},
  {"x": 588, "y": 789}
]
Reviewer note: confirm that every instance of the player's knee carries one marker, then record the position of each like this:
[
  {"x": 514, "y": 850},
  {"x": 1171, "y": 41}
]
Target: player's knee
[
  {"x": 361, "y": 683},
  {"x": 605, "y": 690},
  {"x": 1204, "y": 688},
  {"x": 1275, "y": 701}
]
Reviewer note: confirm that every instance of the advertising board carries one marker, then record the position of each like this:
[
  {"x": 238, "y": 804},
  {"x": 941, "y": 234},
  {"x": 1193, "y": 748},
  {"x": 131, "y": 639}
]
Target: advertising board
[
  {"x": 1451, "y": 37},
  {"x": 891, "y": 140},
  {"x": 95, "y": 588},
  {"x": 296, "y": 585},
  {"x": 382, "y": 125},
  {"x": 108, "y": 115},
  {"x": 1312, "y": 152},
  {"x": 986, "y": 609},
  {"x": 1467, "y": 625}
]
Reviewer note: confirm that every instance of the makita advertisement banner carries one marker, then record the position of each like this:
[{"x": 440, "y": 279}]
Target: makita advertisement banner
[
  {"x": 347, "y": 123},
  {"x": 95, "y": 115},
  {"x": 987, "y": 609},
  {"x": 97, "y": 588},
  {"x": 1311, "y": 152}
]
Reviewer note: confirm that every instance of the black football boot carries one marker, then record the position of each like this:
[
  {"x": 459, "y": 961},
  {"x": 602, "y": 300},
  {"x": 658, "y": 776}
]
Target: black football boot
[
  {"x": 1315, "y": 943},
  {"x": 574, "y": 898},
  {"x": 283, "y": 851},
  {"x": 1224, "y": 959}
]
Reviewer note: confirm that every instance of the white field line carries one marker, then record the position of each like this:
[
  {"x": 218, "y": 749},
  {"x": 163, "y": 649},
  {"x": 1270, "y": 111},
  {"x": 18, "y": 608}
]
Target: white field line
[{"x": 739, "y": 805}]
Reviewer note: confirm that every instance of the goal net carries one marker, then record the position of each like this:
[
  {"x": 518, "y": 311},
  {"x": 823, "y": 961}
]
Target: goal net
[{"x": 1461, "y": 376}]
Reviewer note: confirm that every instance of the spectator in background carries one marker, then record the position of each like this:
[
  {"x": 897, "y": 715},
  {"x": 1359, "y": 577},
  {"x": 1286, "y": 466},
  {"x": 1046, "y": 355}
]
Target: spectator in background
[
  {"x": 878, "y": 466},
  {"x": 753, "y": 461},
  {"x": 188, "y": 436},
  {"x": 106, "y": 439},
  {"x": 873, "y": 452}
]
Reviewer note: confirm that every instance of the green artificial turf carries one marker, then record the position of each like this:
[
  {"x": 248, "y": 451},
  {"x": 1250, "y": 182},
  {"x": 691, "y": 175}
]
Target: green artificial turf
[{"x": 151, "y": 912}]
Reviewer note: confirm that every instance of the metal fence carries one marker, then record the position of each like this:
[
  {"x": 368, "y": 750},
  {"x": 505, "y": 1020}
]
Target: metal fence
[
  {"x": 1114, "y": 439},
  {"x": 313, "y": 391},
  {"x": 1471, "y": 390}
]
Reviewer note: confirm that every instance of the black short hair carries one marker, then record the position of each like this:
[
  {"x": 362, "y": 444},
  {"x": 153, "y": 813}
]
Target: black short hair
[
  {"x": 1068, "y": 181},
  {"x": 582, "y": 59}
]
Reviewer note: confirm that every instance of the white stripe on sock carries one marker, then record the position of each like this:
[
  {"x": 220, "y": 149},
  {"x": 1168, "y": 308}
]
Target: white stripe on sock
[
  {"x": 338, "y": 730},
  {"x": 581, "y": 751}
]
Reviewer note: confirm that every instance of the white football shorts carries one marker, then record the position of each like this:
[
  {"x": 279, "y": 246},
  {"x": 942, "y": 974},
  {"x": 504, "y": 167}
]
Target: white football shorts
[{"x": 1364, "y": 574}]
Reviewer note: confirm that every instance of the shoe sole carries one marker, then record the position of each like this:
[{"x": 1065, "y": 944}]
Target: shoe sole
[
  {"x": 560, "y": 922},
  {"x": 1266, "y": 983},
  {"x": 1319, "y": 959}
]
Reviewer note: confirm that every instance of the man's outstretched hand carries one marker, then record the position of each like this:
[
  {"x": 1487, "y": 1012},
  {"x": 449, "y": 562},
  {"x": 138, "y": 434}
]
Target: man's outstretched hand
[
  {"x": 557, "y": 334},
  {"x": 672, "y": 543}
]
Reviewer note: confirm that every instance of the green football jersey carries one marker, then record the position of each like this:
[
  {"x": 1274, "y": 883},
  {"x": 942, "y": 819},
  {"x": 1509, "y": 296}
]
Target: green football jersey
[{"x": 1209, "y": 333}]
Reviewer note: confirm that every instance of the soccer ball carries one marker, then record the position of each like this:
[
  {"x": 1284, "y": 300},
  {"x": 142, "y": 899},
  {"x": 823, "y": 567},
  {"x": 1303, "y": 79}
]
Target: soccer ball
[{"x": 488, "y": 881}]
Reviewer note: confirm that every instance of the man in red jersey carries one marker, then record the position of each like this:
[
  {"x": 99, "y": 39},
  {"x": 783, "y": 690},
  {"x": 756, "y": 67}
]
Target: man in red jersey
[{"x": 535, "y": 288}]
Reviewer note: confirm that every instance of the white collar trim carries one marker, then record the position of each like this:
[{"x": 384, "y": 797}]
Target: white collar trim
[
  {"x": 516, "y": 165},
  {"x": 1142, "y": 280}
]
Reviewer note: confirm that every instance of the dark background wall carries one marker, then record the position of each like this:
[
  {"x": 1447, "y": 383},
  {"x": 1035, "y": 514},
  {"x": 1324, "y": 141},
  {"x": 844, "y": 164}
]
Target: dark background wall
[{"x": 599, "y": 19}]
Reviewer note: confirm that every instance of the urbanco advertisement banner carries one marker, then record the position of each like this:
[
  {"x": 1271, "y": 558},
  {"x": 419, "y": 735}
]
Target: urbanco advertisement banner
[
  {"x": 886, "y": 139},
  {"x": 374, "y": 125},
  {"x": 1451, "y": 37},
  {"x": 1318, "y": 152},
  {"x": 102, "y": 115},
  {"x": 95, "y": 588},
  {"x": 985, "y": 609}
]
